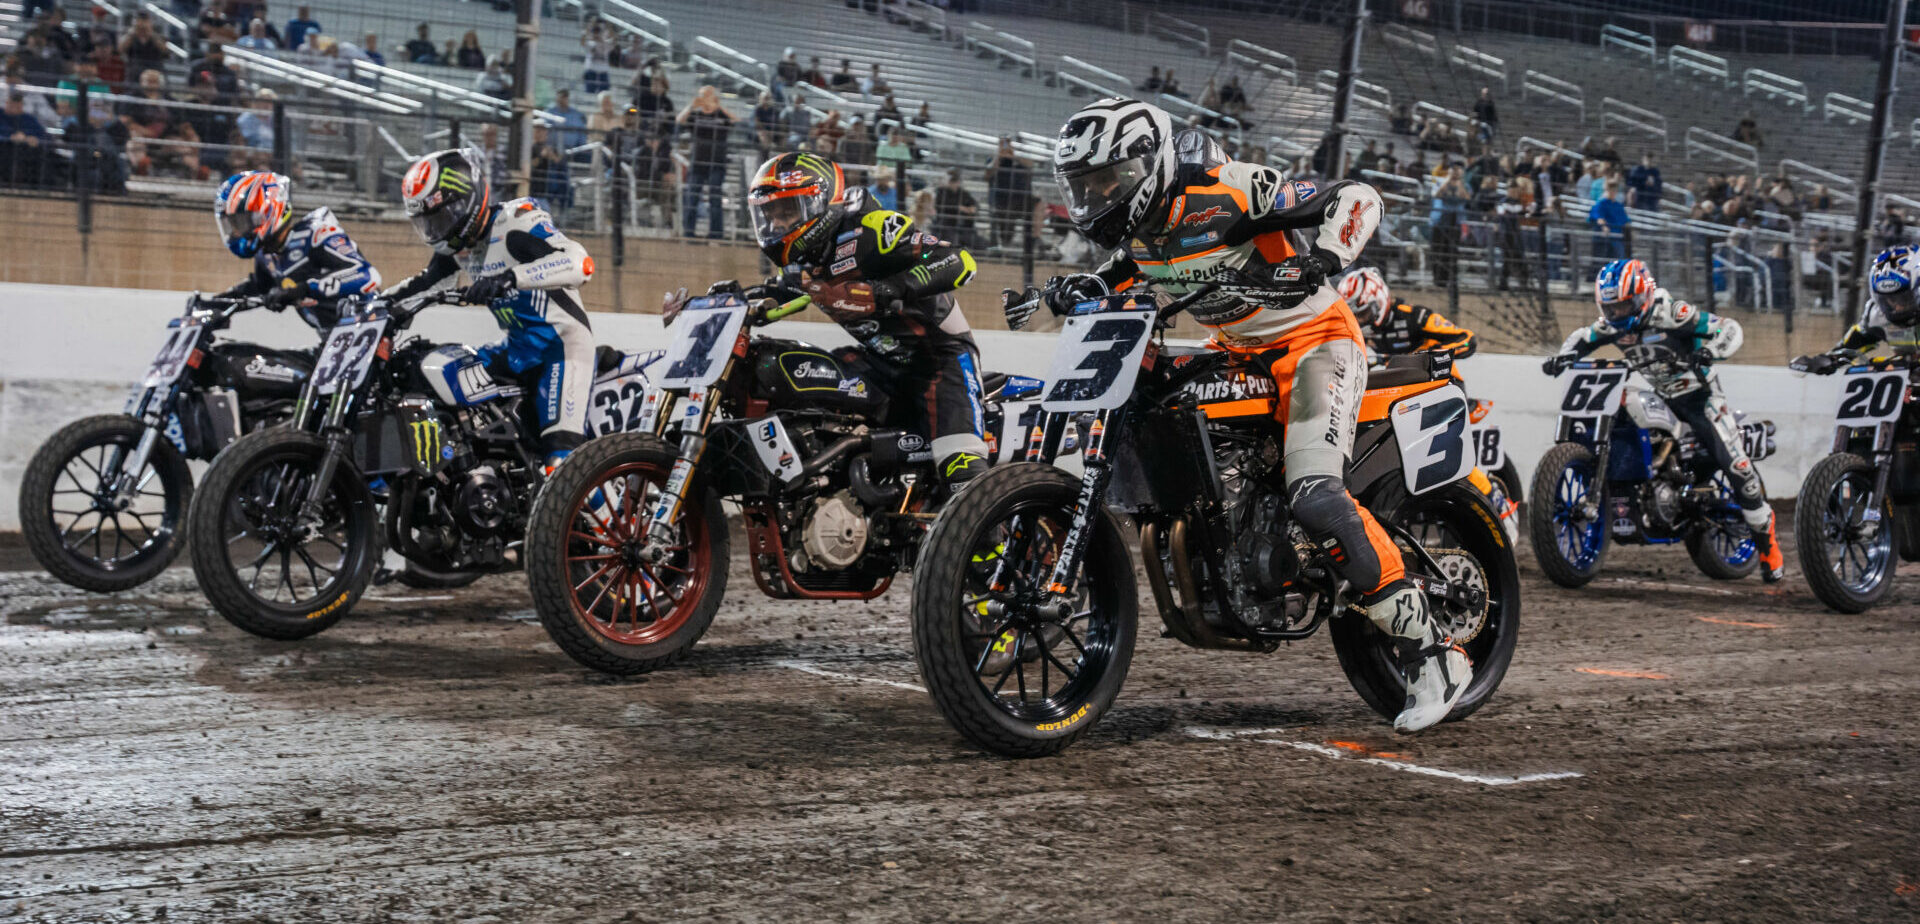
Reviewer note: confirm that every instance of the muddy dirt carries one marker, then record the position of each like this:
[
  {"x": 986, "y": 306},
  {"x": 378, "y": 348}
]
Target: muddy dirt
[{"x": 1742, "y": 754}]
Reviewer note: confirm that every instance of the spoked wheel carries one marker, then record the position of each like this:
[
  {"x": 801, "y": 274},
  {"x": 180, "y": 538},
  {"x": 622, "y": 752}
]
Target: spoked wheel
[
  {"x": 1455, "y": 526},
  {"x": 89, "y": 521},
  {"x": 613, "y": 595},
  {"x": 1846, "y": 543},
  {"x": 266, "y": 566},
  {"x": 1016, "y": 669},
  {"x": 1565, "y": 520},
  {"x": 1723, "y": 547}
]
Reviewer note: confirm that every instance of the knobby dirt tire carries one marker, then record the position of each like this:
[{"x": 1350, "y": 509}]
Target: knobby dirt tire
[
  {"x": 1809, "y": 534},
  {"x": 1542, "y": 532},
  {"x": 40, "y": 481}
]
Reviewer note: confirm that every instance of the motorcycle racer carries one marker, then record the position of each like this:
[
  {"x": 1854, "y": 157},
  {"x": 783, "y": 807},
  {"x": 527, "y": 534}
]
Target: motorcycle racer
[
  {"x": 1179, "y": 215},
  {"x": 1395, "y": 328},
  {"x": 1673, "y": 344},
  {"x": 308, "y": 262},
  {"x": 1892, "y": 315},
  {"x": 522, "y": 268},
  {"x": 889, "y": 285}
]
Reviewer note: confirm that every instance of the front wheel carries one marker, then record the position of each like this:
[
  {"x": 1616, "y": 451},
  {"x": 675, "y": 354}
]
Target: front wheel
[
  {"x": 611, "y": 593},
  {"x": 1846, "y": 544},
  {"x": 1565, "y": 519},
  {"x": 1011, "y": 669},
  {"x": 1458, "y": 529},
  {"x": 89, "y": 526},
  {"x": 264, "y": 565}
]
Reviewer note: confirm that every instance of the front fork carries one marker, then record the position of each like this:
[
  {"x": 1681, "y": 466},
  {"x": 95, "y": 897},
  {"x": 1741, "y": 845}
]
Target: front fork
[
  {"x": 1065, "y": 577},
  {"x": 126, "y": 467},
  {"x": 339, "y": 442},
  {"x": 697, "y": 413}
]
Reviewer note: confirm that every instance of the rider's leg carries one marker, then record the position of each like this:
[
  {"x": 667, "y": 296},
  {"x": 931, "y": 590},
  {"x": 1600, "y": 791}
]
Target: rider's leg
[
  {"x": 955, "y": 417},
  {"x": 562, "y": 391},
  {"x": 1707, "y": 413},
  {"x": 1321, "y": 378}
]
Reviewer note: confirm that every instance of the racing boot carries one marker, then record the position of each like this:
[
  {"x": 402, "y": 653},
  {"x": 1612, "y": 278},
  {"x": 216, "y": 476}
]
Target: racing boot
[
  {"x": 958, "y": 468},
  {"x": 1437, "y": 671},
  {"x": 1773, "y": 565}
]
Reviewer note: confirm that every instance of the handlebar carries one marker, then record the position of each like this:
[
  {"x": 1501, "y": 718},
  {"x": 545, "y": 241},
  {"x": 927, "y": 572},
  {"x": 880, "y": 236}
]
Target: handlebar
[{"x": 1168, "y": 311}]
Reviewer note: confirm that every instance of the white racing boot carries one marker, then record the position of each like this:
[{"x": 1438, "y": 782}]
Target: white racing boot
[{"x": 1437, "y": 671}]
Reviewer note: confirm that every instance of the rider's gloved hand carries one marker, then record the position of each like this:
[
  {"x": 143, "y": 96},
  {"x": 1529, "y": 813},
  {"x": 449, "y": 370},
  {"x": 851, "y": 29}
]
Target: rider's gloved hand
[
  {"x": 289, "y": 293},
  {"x": 1020, "y": 306},
  {"x": 887, "y": 295},
  {"x": 724, "y": 287},
  {"x": 1289, "y": 281},
  {"x": 1702, "y": 358},
  {"x": 487, "y": 288},
  {"x": 1558, "y": 364}
]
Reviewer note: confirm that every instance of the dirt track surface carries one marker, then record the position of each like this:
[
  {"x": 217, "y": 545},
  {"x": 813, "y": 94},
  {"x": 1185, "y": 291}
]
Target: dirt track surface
[{"x": 1743, "y": 755}]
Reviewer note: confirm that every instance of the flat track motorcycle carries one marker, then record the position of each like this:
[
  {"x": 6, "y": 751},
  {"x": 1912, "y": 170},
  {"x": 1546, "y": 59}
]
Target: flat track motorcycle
[
  {"x": 627, "y": 548},
  {"x": 1024, "y": 602},
  {"x": 103, "y": 502}
]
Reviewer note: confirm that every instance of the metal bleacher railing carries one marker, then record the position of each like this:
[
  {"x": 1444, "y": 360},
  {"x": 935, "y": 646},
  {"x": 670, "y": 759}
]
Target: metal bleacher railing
[
  {"x": 1411, "y": 39},
  {"x": 1093, "y": 79},
  {"x": 1538, "y": 83},
  {"x": 1774, "y": 86},
  {"x": 1274, "y": 64},
  {"x": 1486, "y": 65},
  {"x": 1175, "y": 29},
  {"x": 1364, "y": 92},
  {"x": 1614, "y": 37},
  {"x": 1841, "y": 106},
  {"x": 1721, "y": 147},
  {"x": 1003, "y": 45},
  {"x": 1634, "y": 119},
  {"x": 1682, "y": 60}
]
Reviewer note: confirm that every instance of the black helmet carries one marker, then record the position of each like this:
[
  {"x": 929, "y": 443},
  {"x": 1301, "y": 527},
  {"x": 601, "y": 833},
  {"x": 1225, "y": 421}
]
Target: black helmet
[
  {"x": 447, "y": 196},
  {"x": 1115, "y": 159},
  {"x": 792, "y": 197}
]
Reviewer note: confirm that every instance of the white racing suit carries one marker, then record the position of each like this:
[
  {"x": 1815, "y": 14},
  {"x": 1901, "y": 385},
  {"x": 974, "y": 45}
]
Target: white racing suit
[{"x": 549, "y": 343}]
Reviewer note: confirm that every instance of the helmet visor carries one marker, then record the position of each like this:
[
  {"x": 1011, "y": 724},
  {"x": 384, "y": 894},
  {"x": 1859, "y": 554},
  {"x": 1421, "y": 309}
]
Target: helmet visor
[
  {"x": 777, "y": 214},
  {"x": 1901, "y": 307},
  {"x": 241, "y": 224},
  {"x": 1624, "y": 309},
  {"x": 437, "y": 226},
  {"x": 1093, "y": 193}
]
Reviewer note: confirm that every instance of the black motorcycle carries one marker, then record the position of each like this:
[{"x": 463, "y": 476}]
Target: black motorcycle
[
  {"x": 103, "y": 503},
  {"x": 1024, "y": 602},
  {"x": 1860, "y": 506},
  {"x": 627, "y": 552}
]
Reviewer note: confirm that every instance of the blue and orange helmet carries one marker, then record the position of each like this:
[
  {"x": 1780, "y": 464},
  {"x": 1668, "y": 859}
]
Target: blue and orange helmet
[
  {"x": 1623, "y": 290},
  {"x": 1895, "y": 281},
  {"x": 251, "y": 212}
]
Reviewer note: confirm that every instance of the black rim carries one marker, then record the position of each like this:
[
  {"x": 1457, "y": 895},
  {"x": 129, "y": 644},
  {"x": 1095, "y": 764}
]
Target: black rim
[
  {"x": 1033, "y": 667},
  {"x": 96, "y": 527},
  {"x": 1859, "y": 551},
  {"x": 279, "y": 562},
  {"x": 1431, "y": 526}
]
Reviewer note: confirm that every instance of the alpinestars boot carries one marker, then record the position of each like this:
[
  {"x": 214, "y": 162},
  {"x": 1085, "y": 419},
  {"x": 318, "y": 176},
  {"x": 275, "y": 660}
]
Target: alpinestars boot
[
  {"x": 1437, "y": 671},
  {"x": 1773, "y": 565}
]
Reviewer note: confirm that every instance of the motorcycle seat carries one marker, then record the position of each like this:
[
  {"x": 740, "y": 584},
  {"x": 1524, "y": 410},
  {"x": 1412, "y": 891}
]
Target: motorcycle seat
[
  {"x": 1409, "y": 369},
  {"x": 992, "y": 381},
  {"x": 606, "y": 358}
]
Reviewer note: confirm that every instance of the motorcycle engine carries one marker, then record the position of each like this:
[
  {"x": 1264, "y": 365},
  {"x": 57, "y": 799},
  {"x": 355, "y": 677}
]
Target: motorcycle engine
[
  {"x": 482, "y": 502},
  {"x": 834, "y": 534},
  {"x": 1660, "y": 508},
  {"x": 1263, "y": 561}
]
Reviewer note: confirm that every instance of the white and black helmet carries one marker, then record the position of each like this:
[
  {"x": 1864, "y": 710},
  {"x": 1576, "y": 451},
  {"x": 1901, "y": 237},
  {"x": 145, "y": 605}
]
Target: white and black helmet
[{"x": 1115, "y": 158}]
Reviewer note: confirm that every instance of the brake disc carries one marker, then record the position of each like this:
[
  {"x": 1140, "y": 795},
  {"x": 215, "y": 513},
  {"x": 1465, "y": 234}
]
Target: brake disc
[{"x": 1460, "y": 567}]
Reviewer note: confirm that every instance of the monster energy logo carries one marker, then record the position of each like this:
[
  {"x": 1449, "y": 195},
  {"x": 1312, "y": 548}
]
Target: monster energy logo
[
  {"x": 921, "y": 275},
  {"x": 456, "y": 181},
  {"x": 506, "y": 315},
  {"x": 813, "y": 162},
  {"x": 426, "y": 442}
]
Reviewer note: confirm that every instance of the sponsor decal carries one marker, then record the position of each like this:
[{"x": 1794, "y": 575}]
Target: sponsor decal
[
  {"x": 855, "y": 387},
  {"x": 910, "y": 443},
  {"x": 1242, "y": 386},
  {"x": 846, "y": 249},
  {"x": 844, "y": 266},
  {"x": 890, "y": 230},
  {"x": 925, "y": 240},
  {"x": 1303, "y": 189},
  {"x": 1199, "y": 239},
  {"x": 1202, "y": 217},
  {"x": 426, "y": 441},
  {"x": 810, "y": 369},
  {"x": 1887, "y": 285},
  {"x": 261, "y": 368},
  {"x": 1350, "y": 232},
  {"x": 1265, "y": 194}
]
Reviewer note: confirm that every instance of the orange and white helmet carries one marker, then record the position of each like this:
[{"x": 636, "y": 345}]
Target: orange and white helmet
[
  {"x": 1366, "y": 292},
  {"x": 251, "y": 211}
]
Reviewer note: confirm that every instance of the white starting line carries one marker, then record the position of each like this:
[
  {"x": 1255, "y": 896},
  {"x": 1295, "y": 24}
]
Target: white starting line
[
  {"x": 805, "y": 667},
  {"x": 1484, "y": 779}
]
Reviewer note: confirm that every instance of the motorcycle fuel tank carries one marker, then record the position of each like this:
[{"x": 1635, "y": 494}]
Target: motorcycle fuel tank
[
  {"x": 458, "y": 379},
  {"x": 792, "y": 374}
]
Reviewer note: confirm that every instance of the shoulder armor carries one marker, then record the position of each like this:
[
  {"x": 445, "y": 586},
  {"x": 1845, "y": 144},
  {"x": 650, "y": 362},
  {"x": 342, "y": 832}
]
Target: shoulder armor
[
  {"x": 318, "y": 225},
  {"x": 1670, "y": 312},
  {"x": 1196, "y": 147},
  {"x": 889, "y": 228}
]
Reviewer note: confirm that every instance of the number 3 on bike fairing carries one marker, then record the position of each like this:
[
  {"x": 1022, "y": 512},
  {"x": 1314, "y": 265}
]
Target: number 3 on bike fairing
[{"x": 1024, "y": 603}]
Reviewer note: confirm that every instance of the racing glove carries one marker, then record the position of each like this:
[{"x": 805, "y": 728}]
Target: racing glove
[
  {"x": 1290, "y": 281},
  {"x": 1059, "y": 296},
  {"x": 1702, "y": 358},
  {"x": 288, "y": 293},
  {"x": 854, "y": 297},
  {"x": 487, "y": 288},
  {"x": 1558, "y": 363}
]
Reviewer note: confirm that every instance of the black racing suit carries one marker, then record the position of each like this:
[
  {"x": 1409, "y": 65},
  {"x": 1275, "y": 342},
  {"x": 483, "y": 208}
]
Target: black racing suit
[
  {"x": 891, "y": 287},
  {"x": 1412, "y": 329},
  {"x": 321, "y": 263}
]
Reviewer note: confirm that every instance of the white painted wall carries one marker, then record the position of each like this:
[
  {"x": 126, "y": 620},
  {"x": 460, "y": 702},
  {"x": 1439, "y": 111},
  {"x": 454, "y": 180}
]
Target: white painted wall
[{"x": 67, "y": 352}]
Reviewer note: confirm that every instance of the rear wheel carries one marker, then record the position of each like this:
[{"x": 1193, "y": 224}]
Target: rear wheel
[
  {"x": 267, "y": 569},
  {"x": 87, "y": 533},
  {"x": 1565, "y": 520},
  {"x": 1458, "y": 529},
  {"x": 612, "y": 595},
  {"x": 1845, "y": 544},
  {"x": 1723, "y": 547},
  {"x": 1015, "y": 670},
  {"x": 1906, "y": 522}
]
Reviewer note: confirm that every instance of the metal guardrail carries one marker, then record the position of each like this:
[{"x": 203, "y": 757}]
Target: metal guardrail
[
  {"x": 1566, "y": 91},
  {"x": 1526, "y": 143},
  {"x": 1173, "y": 28},
  {"x": 928, "y": 16},
  {"x": 1411, "y": 39},
  {"x": 1629, "y": 41},
  {"x": 1681, "y": 59},
  {"x": 1220, "y": 120},
  {"x": 661, "y": 25},
  {"x": 1634, "y": 118},
  {"x": 1840, "y": 105},
  {"x": 998, "y": 44},
  {"x": 1115, "y": 85},
  {"x": 261, "y": 65},
  {"x": 1365, "y": 93},
  {"x": 657, "y": 41},
  {"x": 1722, "y": 147},
  {"x": 1776, "y": 86},
  {"x": 766, "y": 71},
  {"x": 1457, "y": 121},
  {"x": 1839, "y": 186},
  {"x": 1272, "y": 63},
  {"x": 1480, "y": 63}
]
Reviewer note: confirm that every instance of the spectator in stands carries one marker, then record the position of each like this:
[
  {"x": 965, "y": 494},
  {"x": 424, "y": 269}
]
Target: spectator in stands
[
  {"x": 921, "y": 119},
  {"x": 888, "y": 114},
  {"x": 23, "y": 144},
  {"x": 1233, "y": 99},
  {"x": 215, "y": 23},
  {"x": 573, "y": 122},
  {"x": 893, "y": 153},
  {"x": 494, "y": 81},
  {"x": 51, "y": 26},
  {"x": 875, "y": 85},
  {"x": 644, "y": 77},
  {"x": 256, "y": 130},
  {"x": 1486, "y": 196},
  {"x": 1401, "y": 122},
  {"x": 605, "y": 118},
  {"x": 709, "y": 124},
  {"x": 857, "y": 149},
  {"x": 213, "y": 126},
  {"x": 883, "y": 191},
  {"x": 214, "y": 66},
  {"x": 1747, "y": 130},
  {"x": 256, "y": 38},
  {"x": 420, "y": 48},
  {"x": 827, "y": 133},
  {"x": 1892, "y": 228},
  {"x": 1609, "y": 217},
  {"x": 1518, "y": 211},
  {"x": 15, "y": 78},
  {"x": 142, "y": 47},
  {"x": 1009, "y": 194},
  {"x": 469, "y": 54},
  {"x": 102, "y": 162},
  {"x": 1153, "y": 82},
  {"x": 921, "y": 209},
  {"x": 84, "y": 73},
  {"x": 786, "y": 74},
  {"x": 155, "y": 118},
  {"x": 768, "y": 132},
  {"x": 101, "y": 31},
  {"x": 813, "y": 74},
  {"x": 654, "y": 106},
  {"x": 496, "y": 154},
  {"x": 1484, "y": 111},
  {"x": 370, "y": 49},
  {"x": 43, "y": 61},
  {"x": 1821, "y": 200},
  {"x": 597, "y": 43},
  {"x": 1443, "y": 225},
  {"x": 843, "y": 80},
  {"x": 1170, "y": 86},
  {"x": 656, "y": 174},
  {"x": 799, "y": 122},
  {"x": 299, "y": 27},
  {"x": 1645, "y": 182},
  {"x": 547, "y": 171},
  {"x": 953, "y": 211}
]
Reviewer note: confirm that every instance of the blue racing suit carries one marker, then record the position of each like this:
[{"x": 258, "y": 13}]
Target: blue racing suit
[
  {"x": 548, "y": 347},
  {"x": 319, "y": 259}
]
